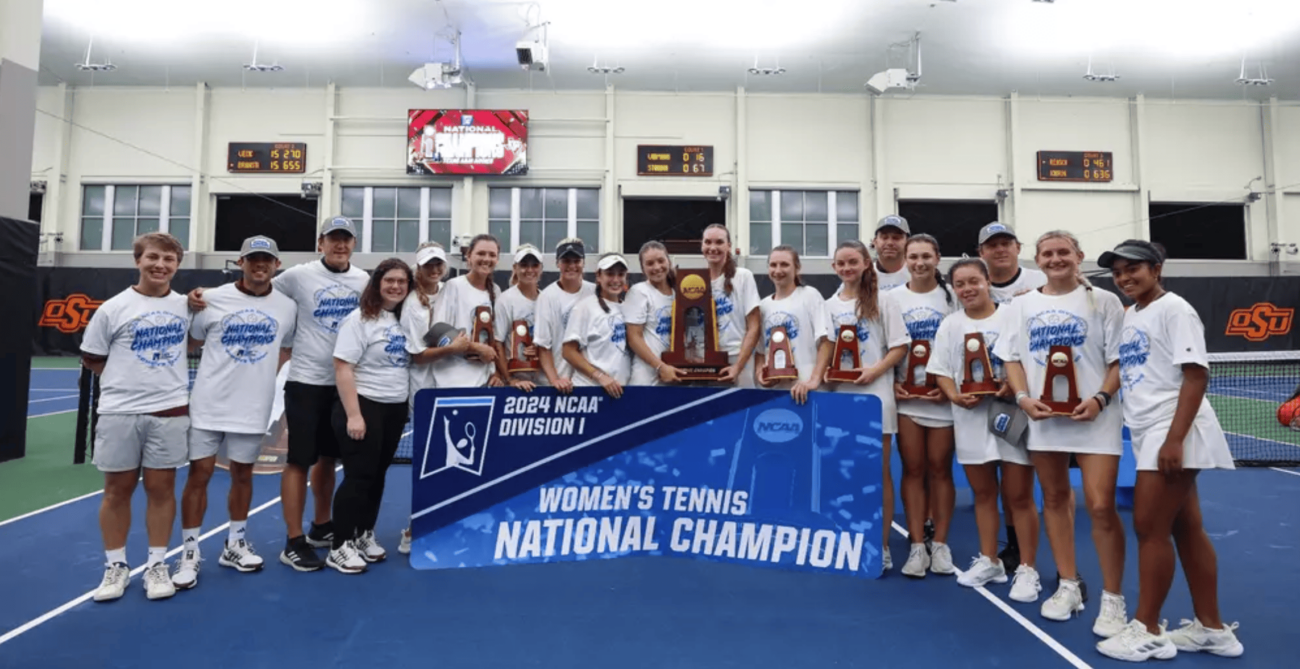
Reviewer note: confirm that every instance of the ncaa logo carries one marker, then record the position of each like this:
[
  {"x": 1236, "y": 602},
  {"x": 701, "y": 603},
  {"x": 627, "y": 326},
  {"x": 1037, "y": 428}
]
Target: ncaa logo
[
  {"x": 467, "y": 119},
  {"x": 459, "y": 431},
  {"x": 778, "y": 425},
  {"x": 1002, "y": 422}
]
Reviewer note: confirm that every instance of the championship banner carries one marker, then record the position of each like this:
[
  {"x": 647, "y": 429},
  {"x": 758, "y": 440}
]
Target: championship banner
[
  {"x": 748, "y": 477},
  {"x": 467, "y": 141}
]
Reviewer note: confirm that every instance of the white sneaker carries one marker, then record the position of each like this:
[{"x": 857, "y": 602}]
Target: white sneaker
[
  {"x": 918, "y": 561},
  {"x": 941, "y": 559},
  {"x": 346, "y": 559},
  {"x": 886, "y": 562},
  {"x": 404, "y": 546},
  {"x": 1025, "y": 586},
  {"x": 1133, "y": 643},
  {"x": 1066, "y": 602},
  {"x": 981, "y": 572},
  {"x": 240, "y": 557},
  {"x": 116, "y": 578},
  {"x": 1113, "y": 616},
  {"x": 187, "y": 570},
  {"x": 158, "y": 582},
  {"x": 369, "y": 547},
  {"x": 1193, "y": 637}
]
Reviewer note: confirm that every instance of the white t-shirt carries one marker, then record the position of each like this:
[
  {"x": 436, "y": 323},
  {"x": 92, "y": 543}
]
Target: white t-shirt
[
  {"x": 416, "y": 321},
  {"x": 234, "y": 389},
  {"x": 1024, "y": 281},
  {"x": 554, "y": 306},
  {"x": 1154, "y": 345},
  {"x": 512, "y": 306},
  {"x": 731, "y": 310},
  {"x": 1091, "y": 323},
  {"x": 651, "y": 309},
  {"x": 144, "y": 339},
  {"x": 456, "y": 308},
  {"x": 922, "y": 315},
  {"x": 891, "y": 280},
  {"x": 803, "y": 314},
  {"x": 324, "y": 297},
  {"x": 970, "y": 426},
  {"x": 378, "y": 349},
  {"x": 602, "y": 338}
]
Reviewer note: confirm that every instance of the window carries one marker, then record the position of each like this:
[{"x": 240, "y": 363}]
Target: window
[
  {"x": 398, "y": 220},
  {"x": 813, "y": 222},
  {"x": 544, "y": 216},
  {"x": 112, "y": 216},
  {"x": 1200, "y": 231},
  {"x": 955, "y": 224}
]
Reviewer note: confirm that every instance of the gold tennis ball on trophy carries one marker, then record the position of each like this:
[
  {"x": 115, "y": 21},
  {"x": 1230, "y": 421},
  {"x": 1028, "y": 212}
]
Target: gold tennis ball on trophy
[
  {"x": 778, "y": 337},
  {"x": 846, "y": 336},
  {"x": 972, "y": 345},
  {"x": 521, "y": 330},
  {"x": 1059, "y": 359}
]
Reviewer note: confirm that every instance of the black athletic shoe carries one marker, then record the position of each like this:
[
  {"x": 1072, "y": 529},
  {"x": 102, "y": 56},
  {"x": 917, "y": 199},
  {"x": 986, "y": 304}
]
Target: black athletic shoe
[
  {"x": 321, "y": 536},
  {"x": 1010, "y": 557},
  {"x": 299, "y": 555}
]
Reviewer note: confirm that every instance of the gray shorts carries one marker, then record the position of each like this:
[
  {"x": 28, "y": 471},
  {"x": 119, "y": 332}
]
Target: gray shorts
[
  {"x": 240, "y": 447},
  {"x": 127, "y": 442}
]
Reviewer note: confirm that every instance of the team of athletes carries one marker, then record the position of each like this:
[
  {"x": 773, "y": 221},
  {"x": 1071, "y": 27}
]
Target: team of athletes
[{"x": 359, "y": 348}]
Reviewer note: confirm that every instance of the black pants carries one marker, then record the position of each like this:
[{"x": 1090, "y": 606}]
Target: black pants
[{"x": 365, "y": 465}]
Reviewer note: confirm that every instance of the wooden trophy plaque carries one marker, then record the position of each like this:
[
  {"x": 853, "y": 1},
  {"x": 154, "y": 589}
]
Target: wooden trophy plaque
[
  {"x": 977, "y": 352},
  {"x": 520, "y": 339},
  {"x": 779, "y": 365},
  {"x": 693, "y": 348},
  {"x": 918, "y": 355},
  {"x": 481, "y": 332},
  {"x": 1060, "y": 363},
  {"x": 845, "y": 364}
]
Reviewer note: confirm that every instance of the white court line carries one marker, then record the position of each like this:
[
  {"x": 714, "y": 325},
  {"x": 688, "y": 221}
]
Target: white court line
[
  {"x": 53, "y": 413},
  {"x": 48, "y": 615},
  {"x": 1014, "y": 615},
  {"x": 52, "y": 399},
  {"x": 1285, "y": 471},
  {"x": 1271, "y": 441},
  {"x": 52, "y": 390}
]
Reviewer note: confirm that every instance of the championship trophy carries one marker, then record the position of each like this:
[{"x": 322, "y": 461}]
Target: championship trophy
[
  {"x": 693, "y": 349},
  {"x": 779, "y": 365},
  {"x": 845, "y": 363},
  {"x": 977, "y": 353},
  {"x": 481, "y": 332},
  {"x": 520, "y": 340},
  {"x": 1060, "y": 363},
  {"x": 914, "y": 381}
]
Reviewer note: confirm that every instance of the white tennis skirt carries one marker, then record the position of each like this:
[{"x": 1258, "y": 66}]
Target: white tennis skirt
[{"x": 1205, "y": 447}]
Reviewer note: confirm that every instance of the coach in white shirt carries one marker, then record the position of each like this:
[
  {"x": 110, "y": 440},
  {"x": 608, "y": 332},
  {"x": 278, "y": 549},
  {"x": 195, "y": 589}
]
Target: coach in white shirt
[{"x": 1000, "y": 250}]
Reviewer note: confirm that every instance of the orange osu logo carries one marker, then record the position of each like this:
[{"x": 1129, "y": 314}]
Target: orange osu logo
[
  {"x": 1260, "y": 322},
  {"x": 70, "y": 314}
]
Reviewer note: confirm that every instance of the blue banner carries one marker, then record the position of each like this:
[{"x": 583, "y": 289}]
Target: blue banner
[{"x": 503, "y": 477}]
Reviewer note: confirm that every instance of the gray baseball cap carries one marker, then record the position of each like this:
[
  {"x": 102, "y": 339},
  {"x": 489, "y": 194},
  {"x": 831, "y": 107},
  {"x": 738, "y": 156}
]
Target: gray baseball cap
[
  {"x": 993, "y": 230},
  {"x": 894, "y": 221},
  {"x": 441, "y": 334},
  {"x": 337, "y": 223},
  {"x": 1008, "y": 421},
  {"x": 259, "y": 244}
]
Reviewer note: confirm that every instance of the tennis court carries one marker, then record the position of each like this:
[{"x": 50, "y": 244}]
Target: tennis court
[{"x": 627, "y": 613}]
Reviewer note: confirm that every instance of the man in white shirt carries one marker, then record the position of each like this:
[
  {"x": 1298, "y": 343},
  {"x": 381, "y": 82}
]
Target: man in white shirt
[
  {"x": 1000, "y": 250},
  {"x": 135, "y": 342},
  {"x": 248, "y": 330},
  {"x": 890, "y": 240}
]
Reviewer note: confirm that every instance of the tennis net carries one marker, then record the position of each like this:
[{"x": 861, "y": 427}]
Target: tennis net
[{"x": 1246, "y": 391}]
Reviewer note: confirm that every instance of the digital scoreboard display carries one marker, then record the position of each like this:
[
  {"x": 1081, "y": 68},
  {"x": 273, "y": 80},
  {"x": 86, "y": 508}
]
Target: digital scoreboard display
[
  {"x": 674, "y": 161},
  {"x": 267, "y": 157},
  {"x": 1075, "y": 166},
  {"x": 467, "y": 142}
]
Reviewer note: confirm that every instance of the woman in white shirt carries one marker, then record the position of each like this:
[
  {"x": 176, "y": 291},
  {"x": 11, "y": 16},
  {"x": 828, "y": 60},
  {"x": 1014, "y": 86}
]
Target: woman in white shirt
[
  {"x": 519, "y": 303},
  {"x": 554, "y": 305},
  {"x": 881, "y": 342},
  {"x": 648, "y": 312},
  {"x": 979, "y": 450},
  {"x": 1164, "y": 374},
  {"x": 801, "y": 311},
  {"x": 595, "y": 343},
  {"x": 925, "y": 438},
  {"x": 735, "y": 303},
  {"x": 469, "y": 361},
  {"x": 370, "y": 364},
  {"x": 1076, "y": 330}
]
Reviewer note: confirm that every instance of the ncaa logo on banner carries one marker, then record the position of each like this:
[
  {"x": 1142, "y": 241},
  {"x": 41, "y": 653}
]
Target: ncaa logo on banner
[
  {"x": 778, "y": 425},
  {"x": 459, "y": 432}
]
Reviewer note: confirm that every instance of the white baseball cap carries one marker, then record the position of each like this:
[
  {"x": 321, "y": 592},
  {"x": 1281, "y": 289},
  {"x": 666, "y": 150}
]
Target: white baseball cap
[
  {"x": 428, "y": 253},
  {"x": 609, "y": 261},
  {"x": 527, "y": 250}
]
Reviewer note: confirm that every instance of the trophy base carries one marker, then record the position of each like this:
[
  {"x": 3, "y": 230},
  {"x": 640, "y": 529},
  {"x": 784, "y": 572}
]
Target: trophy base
[
  {"x": 690, "y": 372},
  {"x": 1062, "y": 408},
  {"x": 919, "y": 390},
  {"x": 521, "y": 369},
  {"x": 979, "y": 388},
  {"x": 843, "y": 375},
  {"x": 781, "y": 375}
]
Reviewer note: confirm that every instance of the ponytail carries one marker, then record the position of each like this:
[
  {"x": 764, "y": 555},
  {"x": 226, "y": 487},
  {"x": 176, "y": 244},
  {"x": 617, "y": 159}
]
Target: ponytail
[
  {"x": 868, "y": 288},
  {"x": 729, "y": 265},
  {"x": 938, "y": 277}
]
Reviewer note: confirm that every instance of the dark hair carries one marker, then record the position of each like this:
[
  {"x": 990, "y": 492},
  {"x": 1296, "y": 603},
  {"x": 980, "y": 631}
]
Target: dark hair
[
  {"x": 868, "y": 292},
  {"x": 968, "y": 262},
  {"x": 1156, "y": 249},
  {"x": 491, "y": 281},
  {"x": 161, "y": 240},
  {"x": 938, "y": 276},
  {"x": 600, "y": 298},
  {"x": 728, "y": 267},
  {"x": 794, "y": 254},
  {"x": 653, "y": 245},
  {"x": 372, "y": 301}
]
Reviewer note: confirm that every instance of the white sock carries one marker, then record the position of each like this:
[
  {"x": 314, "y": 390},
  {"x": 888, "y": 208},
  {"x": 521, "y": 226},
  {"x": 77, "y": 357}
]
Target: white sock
[
  {"x": 237, "y": 529},
  {"x": 190, "y": 539},
  {"x": 116, "y": 556},
  {"x": 156, "y": 555}
]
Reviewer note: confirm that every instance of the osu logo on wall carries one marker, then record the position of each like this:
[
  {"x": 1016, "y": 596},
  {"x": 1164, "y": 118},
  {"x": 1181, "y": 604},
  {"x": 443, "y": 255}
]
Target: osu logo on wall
[
  {"x": 69, "y": 315},
  {"x": 1260, "y": 322}
]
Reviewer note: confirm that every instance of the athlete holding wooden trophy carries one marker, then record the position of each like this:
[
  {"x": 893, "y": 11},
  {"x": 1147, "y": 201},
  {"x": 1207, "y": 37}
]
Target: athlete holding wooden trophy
[{"x": 693, "y": 349}]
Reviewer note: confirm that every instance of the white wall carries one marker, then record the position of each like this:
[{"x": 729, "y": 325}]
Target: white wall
[{"x": 920, "y": 148}]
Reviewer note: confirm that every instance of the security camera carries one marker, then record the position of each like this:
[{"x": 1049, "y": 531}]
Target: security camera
[
  {"x": 724, "y": 193},
  {"x": 892, "y": 78},
  {"x": 38, "y": 186},
  {"x": 531, "y": 55}
]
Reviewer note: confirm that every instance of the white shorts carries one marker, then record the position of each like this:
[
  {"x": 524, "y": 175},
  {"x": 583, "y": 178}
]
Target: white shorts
[
  {"x": 127, "y": 442},
  {"x": 932, "y": 423},
  {"x": 988, "y": 449},
  {"x": 1204, "y": 448},
  {"x": 240, "y": 447}
]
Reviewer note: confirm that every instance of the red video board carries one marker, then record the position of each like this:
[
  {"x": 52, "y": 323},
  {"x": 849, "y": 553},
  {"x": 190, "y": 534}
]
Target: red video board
[{"x": 467, "y": 142}]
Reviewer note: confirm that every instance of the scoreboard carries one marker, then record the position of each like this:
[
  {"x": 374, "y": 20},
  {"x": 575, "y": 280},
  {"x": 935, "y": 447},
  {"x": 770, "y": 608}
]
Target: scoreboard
[
  {"x": 674, "y": 161},
  {"x": 1090, "y": 166},
  {"x": 266, "y": 158}
]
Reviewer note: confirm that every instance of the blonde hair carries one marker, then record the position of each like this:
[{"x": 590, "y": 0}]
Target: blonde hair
[
  {"x": 419, "y": 275},
  {"x": 514, "y": 268},
  {"x": 1074, "y": 243}
]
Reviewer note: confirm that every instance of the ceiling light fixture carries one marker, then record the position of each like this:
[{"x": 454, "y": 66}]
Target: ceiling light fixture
[
  {"x": 1105, "y": 78},
  {"x": 1262, "y": 80},
  {"x": 87, "y": 66},
  {"x": 597, "y": 68},
  {"x": 766, "y": 71},
  {"x": 261, "y": 67},
  {"x": 432, "y": 76}
]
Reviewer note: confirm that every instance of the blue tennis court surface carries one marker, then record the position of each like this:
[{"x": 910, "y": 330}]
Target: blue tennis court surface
[{"x": 52, "y": 391}]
